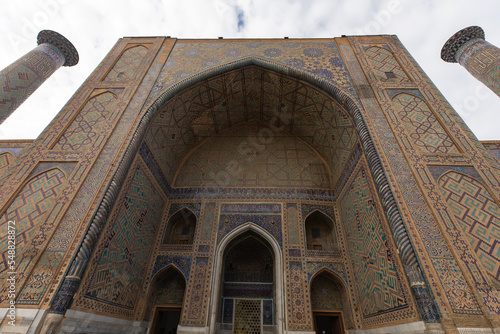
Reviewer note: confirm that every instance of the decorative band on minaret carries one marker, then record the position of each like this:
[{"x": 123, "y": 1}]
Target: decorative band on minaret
[
  {"x": 20, "y": 79},
  {"x": 482, "y": 59}
]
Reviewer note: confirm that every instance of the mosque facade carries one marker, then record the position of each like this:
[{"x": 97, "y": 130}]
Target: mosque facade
[{"x": 252, "y": 186}]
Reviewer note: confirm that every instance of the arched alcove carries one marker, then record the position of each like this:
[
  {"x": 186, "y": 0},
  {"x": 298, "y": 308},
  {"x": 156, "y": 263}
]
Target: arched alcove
[
  {"x": 283, "y": 160},
  {"x": 181, "y": 228},
  {"x": 329, "y": 303},
  {"x": 165, "y": 300},
  {"x": 320, "y": 232}
]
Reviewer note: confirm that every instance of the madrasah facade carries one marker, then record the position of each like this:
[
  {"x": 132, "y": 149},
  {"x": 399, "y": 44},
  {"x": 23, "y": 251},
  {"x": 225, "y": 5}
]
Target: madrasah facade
[{"x": 250, "y": 186}]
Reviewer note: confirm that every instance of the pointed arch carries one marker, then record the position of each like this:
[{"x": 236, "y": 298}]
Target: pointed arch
[
  {"x": 333, "y": 275},
  {"x": 87, "y": 123},
  {"x": 385, "y": 65},
  {"x": 311, "y": 171},
  {"x": 167, "y": 288},
  {"x": 278, "y": 273},
  {"x": 329, "y": 292},
  {"x": 6, "y": 159},
  {"x": 127, "y": 64},
  {"x": 320, "y": 232},
  {"x": 344, "y": 98},
  {"x": 181, "y": 227}
]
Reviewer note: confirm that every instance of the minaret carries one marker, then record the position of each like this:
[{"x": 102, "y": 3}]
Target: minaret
[
  {"x": 20, "y": 79},
  {"x": 482, "y": 59}
]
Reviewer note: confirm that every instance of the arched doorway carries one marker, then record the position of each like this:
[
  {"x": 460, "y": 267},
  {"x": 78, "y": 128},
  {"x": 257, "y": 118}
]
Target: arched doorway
[
  {"x": 165, "y": 301},
  {"x": 329, "y": 304},
  {"x": 247, "y": 295},
  {"x": 248, "y": 285}
]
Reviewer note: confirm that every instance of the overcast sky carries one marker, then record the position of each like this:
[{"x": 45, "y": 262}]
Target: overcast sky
[{"x": 94, "y": 26}]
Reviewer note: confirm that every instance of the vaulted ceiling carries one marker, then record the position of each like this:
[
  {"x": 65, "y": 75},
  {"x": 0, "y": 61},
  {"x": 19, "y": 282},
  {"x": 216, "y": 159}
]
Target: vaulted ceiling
[{"x": 279, "y": 103}]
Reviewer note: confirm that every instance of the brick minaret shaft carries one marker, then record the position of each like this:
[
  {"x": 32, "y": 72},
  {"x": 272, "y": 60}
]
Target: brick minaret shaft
[
  {"x": 468, "y": 48},
  {"x": 20, "y": 79}
]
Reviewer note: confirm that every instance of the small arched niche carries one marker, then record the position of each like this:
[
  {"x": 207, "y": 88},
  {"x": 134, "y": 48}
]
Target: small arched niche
[
  {"x": 329, "y": 303},
  {"x": 165, "y": 302},
  {"x": 320, "y": 234},
  {"x": 180, "y": 228}
]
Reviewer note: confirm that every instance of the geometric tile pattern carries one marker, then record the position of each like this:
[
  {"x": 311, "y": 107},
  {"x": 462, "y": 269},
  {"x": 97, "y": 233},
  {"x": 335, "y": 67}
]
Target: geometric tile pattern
[
  {"x": 496, "y": 153},
  {"x": 284, "y": 161},
  {"x": 127, "y": 64},
  {"x": 251, "y": 208},
  {"x": 456, "y": 288},
  {"x": 319, "y": 59},
  {"x": 283, "y": 105},
  {"x": 377, "y": 278},
  {"x": 68, "y": 218},
  {"x": 360, "y": 215},
  {"x": 437, "y": 171},
  {"x": 207, "y": 222},
  {"x": 422, "y": 125},
  {"x": 297, "y": 305},
  {"x": 20, "y": 79},
  {"x": 199, "y": 294},
  {"x": 271, "y": 223},
  {"x": 170, "y": 290},
  {"x": 326, "y": 294},
  {"x": 6, "y": 159},
  {"x": 245, "y": 290},
  {"x": 428, "y": 238},
  {"x": 119, "y": 262},
  {"x": 339, "y": 269},
  {"x": 325, "y": 209},
  {"x": 29, "y": 210},
  {"x": 477, "y": 218},
  {"x": 247, "y": 316},
  {"x": 383, "y": 61},
  {"x": 268, "y": 216},
  {"x": 193, "y": 207},
  {"x": 492, "y": 78},
  {"x": 180, "y": 262},
  {"x": 87, "y": 124},
  {"x": 483, "y": 62}
]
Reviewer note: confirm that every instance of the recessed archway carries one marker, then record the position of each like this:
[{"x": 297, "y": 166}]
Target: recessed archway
[
  {"x": 165, "y": 300},
  {"x": 181, "y": 228},
  {"x": 345, "y": 100},
  {"x": 329, "y": 303},
  {"x": 230, "y": 247}
]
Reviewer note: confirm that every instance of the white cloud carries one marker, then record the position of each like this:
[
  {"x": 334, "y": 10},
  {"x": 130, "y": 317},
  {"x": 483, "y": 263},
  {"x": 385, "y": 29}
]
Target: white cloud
[{"x": 95, "y": 26}]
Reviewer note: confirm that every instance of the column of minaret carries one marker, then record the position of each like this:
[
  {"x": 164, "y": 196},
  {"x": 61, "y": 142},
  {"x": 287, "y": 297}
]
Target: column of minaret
[
  {"x": 482, "y": 59},
  {"x": 20, "y": 79}
]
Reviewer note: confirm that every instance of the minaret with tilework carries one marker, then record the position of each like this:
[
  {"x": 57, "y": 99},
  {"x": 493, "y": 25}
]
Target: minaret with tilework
[
  {"x": 482, "y": 59},
  {"x": 20, "y": 79}
]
